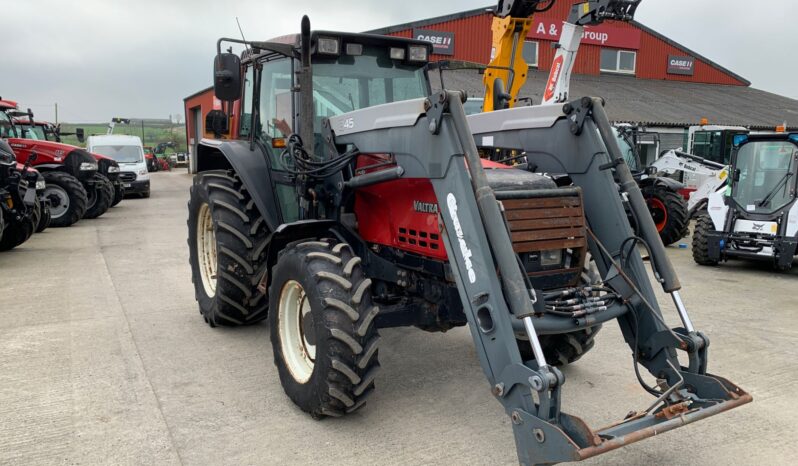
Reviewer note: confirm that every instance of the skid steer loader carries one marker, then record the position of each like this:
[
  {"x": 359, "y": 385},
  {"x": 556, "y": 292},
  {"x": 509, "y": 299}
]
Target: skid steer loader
[
  {"x": 757, "y": 216},
  {"x": 352, "y": 198}
]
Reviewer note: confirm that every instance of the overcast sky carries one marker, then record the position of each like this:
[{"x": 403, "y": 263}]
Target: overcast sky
[{"x": 139, "y": 58}]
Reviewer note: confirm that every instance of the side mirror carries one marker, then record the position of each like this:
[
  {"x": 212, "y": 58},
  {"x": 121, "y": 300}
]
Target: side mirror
[
  {"x": 80, "y": 133},
  {"x": 227, "y": 77},
  {"x": 736, "y": 175}
]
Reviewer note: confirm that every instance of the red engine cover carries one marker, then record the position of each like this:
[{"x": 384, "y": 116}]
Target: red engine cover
[{"x": 402, "y": 214}]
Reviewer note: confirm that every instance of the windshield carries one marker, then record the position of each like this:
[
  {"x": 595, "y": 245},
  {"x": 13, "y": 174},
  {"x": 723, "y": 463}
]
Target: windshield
[
  {"x": 626, "y": 150},
  {"x": 346, "y": 83},
  {"x": 122, "y": 154},
  {"x": 6, "y": 128},
  {"x": 766, "y": 175},
  {"x": 473, "y": 106},
  {"x": 35, "y": 132}
]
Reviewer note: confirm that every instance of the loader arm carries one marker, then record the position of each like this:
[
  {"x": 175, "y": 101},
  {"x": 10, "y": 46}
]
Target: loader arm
[
  {"x": 589, "y": 13},
  {"x": 715, "y": 175}
]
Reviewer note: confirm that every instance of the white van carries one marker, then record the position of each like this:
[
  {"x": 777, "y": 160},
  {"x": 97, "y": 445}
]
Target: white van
[{"x": 129, "y": 153}]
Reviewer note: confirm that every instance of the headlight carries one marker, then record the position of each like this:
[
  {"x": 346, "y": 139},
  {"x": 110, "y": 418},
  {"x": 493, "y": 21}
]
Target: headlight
[
  {"x": 550, "y": 257},
  {"x": 113, "y": 169},
  {"x": 88, "y": 166},
  {"x": 143, "y": 171},
  {"x": 40, "y": 185},
  {"x": 328, "y": 46},
  {"x": 417, "y": 53}
]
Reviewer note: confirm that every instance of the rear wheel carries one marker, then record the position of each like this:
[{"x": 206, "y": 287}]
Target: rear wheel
[
  {"x": 323, "y": 332},
  {"x": 669, "y": 211},
  {"x": 703, "y": 225},
  {"x": 566, "y": 348},
  {"x": 227, "y": 239},
  {"x": 68, "y": 198},
  {"x": 100, "y": 197}
]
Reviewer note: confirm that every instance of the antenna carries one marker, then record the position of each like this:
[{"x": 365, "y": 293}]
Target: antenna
[{"x": 242, "y": 34}]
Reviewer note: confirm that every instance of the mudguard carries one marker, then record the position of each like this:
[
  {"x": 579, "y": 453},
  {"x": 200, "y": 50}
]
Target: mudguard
[
  {"x": 669, "y": 183},
  {"x": 251, "y": 165}
]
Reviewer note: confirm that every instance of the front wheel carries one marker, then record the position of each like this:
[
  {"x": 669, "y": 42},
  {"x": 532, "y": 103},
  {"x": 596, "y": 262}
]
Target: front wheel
[
  {"x": 119, "y": 193},
  {"x": 68, "y": 198},
  {"x": 45, "y": 218},
  {"x": 322, "y": 324},
  {"x": 100, "y": 197},
  {"x": 703, "y": 225},
  {"x": 669, "y": 211},
  {"x": 19, "y": 231}
]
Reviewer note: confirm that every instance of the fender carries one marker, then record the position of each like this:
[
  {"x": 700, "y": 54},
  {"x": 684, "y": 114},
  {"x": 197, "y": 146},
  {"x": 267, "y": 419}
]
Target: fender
[
  {"x": 669, "y": 183},
  {"x": 250, "y": 165}
]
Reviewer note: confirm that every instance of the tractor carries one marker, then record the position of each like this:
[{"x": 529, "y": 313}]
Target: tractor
[
  {"x": 106, "y": 166},
  {"x": 20, "y": 211},
  {"x": 756, "y": 216},
  {"x": 352, "y": 198},
  {"x": 74, "y": 187}
]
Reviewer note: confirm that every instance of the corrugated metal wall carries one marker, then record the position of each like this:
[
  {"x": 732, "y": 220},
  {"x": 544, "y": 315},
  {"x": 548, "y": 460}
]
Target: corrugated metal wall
[{"x": 473, "y": 43}]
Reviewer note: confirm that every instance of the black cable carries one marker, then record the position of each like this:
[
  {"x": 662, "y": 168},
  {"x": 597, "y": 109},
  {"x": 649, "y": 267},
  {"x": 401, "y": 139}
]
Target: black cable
[{"x": 640, "y": 380}]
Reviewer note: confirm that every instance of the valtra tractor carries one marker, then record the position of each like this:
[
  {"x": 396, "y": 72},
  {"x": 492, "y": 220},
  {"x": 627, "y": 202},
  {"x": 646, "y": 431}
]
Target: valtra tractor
[
  {"x": 106, "y": 166},
  {"x": 20, "y": 211},
  {"x": 74, "y": 187},
  {"x": 352, "y": 198}
]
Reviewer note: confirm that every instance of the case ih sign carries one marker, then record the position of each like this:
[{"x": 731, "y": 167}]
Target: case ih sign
[
  {"x": 681, "y": 65},
  {"x": 624, "y": 38},
  {"x": 442, "y": 42}
]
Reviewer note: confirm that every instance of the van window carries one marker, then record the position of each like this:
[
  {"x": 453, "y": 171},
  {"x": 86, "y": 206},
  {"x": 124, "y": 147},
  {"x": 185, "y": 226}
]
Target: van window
[{"x": 122, "y": 154}]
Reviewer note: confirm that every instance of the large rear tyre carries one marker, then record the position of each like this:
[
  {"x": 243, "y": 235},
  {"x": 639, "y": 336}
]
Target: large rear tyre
[
  {"x": 322, "y": 327},
  {"x": 44, "y": 219},
  {"x": 100, "y": 198},
  {"x": 119, "y": 193},
  {"x": 669, "y": 211},
  {"x": 567, "y": 348},
  {"x": 703, "y": 225},
  {"x": 227, "y": 239},
  {"x": 68, "y": 198},
  {"x": 18, "y": 231}
]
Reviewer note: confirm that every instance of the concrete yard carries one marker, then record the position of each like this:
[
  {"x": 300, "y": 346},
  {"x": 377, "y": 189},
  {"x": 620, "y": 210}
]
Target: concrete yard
[{"x": 104, "y": 359}]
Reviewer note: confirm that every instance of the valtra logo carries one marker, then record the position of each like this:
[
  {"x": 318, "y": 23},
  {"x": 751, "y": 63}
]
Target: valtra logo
[{"x": 556, "y": 69}]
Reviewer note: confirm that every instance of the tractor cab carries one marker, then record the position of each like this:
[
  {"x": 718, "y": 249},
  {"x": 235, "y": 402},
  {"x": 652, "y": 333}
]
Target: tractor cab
[
  {"x": 713, "y": 142},
  {"x": 764, "y": 174}
]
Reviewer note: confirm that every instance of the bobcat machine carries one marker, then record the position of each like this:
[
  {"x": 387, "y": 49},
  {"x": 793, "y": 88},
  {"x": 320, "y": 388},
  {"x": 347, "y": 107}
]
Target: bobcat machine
[
  {"x": 757, "y": 216},
  {"x": 352, "y": 198}
]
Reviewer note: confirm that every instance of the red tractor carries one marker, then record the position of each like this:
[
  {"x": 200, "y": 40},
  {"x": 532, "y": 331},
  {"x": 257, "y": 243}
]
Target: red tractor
[
  {"x": 75, "y": 188},
  {"x": 44, "y": 130}
]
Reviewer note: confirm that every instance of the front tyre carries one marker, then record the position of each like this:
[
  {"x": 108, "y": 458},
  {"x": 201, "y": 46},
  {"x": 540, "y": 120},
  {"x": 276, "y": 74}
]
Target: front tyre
[
  {"x": 323, "y": 332},
  {"x": 119, "y": 193},
  {"x": 68, "y": 198},
  {"x": 100, "y": 197},
  {"x": 703, "y": 225},
  {"x": 17, "y": 232},
  {"x": 227, "y": 250},
  {"x": 44, "y": 219}
]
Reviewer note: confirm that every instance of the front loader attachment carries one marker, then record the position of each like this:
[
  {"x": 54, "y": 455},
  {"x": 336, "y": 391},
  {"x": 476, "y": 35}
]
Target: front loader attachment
[{"x": 432, "y": 139}]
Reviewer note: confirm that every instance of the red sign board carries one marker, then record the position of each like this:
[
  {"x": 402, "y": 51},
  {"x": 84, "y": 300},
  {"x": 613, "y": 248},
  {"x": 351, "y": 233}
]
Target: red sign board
[{"x": 609, "y": 36}]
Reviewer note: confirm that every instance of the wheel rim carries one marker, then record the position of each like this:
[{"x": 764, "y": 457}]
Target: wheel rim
[
  {"x": 61, "y": 206},
  {"x": 658, "y": 212},
  {"x": 294, "y": 315},
  {"x": 206, "y": 250}
]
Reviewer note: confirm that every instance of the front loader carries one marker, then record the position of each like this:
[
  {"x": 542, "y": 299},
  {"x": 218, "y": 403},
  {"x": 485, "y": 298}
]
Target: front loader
[{"x": 352, "y": 198}]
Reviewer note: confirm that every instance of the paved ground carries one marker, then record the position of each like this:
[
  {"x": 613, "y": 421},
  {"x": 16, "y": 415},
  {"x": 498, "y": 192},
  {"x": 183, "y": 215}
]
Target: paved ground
[{"x": 104, "y": 359}]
